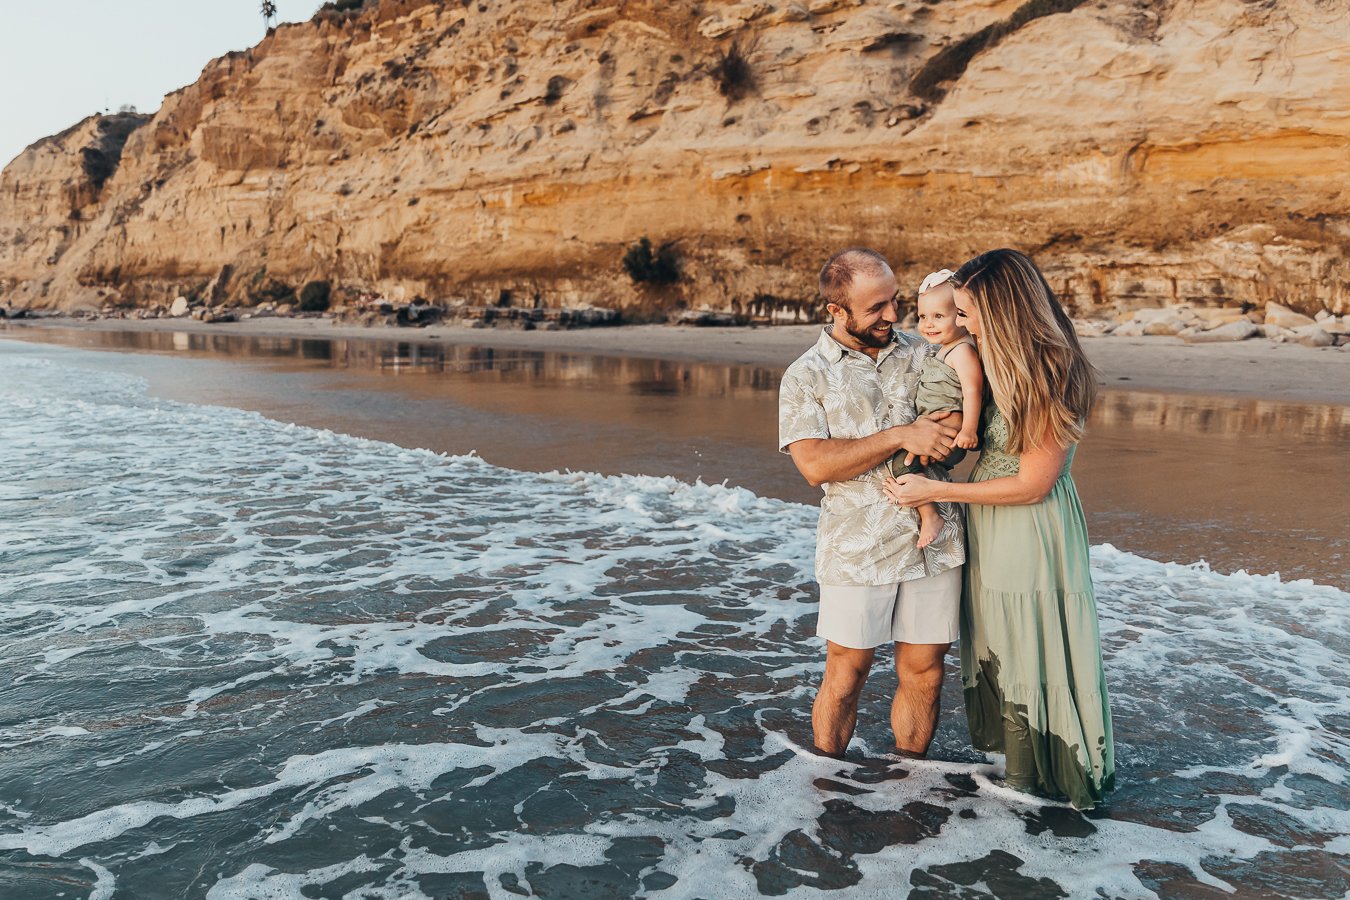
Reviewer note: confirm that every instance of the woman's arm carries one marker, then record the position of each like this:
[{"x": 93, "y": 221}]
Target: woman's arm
[
  {"x": 1038, "y": 470},
  {"x": 966, "y": 362}
]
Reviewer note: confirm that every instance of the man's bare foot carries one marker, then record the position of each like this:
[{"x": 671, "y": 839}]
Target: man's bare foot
[{"x": 930, "y": 524}]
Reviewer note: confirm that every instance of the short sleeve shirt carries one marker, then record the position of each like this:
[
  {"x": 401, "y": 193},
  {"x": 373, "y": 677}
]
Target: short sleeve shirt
[{"x": 832, "y": 391}]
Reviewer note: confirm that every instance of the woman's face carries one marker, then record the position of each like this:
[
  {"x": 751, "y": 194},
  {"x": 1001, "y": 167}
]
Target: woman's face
[{"x": 966, "y": 313}]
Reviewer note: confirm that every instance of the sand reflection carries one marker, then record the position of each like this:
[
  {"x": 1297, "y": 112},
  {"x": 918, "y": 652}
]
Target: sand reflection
[{"x": 1243, "y": 483}]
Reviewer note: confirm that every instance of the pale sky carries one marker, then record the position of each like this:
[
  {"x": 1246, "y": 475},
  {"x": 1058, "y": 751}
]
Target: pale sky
[{"x": 63, "y": 60}]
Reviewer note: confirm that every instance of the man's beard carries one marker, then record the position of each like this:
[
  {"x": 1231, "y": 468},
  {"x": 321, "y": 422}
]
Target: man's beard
[{"x": 866, "y": 338}]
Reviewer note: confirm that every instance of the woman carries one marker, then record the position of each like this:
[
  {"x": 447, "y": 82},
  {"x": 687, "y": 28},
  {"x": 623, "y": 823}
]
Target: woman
[{"x": 1031, "y": 661}]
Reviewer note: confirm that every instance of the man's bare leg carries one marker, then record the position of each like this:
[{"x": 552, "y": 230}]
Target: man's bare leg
[
  {"x": 918, "y": 698},
  {"x": 835, "y": 712}
]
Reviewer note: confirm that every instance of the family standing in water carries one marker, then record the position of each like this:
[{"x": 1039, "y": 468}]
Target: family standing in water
[{"x": 876, "y": 416}]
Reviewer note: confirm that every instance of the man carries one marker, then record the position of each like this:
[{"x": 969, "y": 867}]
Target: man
[{"x": 846, "y": 406}]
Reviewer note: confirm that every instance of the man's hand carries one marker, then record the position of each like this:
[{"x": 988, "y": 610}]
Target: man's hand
[{"x": 928, "y": 438}]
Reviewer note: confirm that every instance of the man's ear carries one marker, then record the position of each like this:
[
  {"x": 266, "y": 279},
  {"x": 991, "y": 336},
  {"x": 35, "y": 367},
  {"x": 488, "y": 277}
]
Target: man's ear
[{"x": 835, "y": 310}]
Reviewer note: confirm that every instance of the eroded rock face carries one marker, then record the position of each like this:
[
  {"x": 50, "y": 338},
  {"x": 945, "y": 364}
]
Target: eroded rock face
[{"x": 1146, "y": 154}]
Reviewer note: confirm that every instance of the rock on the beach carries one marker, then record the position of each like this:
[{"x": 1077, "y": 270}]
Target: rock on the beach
[
  {"x": 1091, "y": 327},
  {"x": 1285, "y": 317},
  {"x": 179, "y": 307},
  {"x": 1233, "y": 331},
  {"x": 1213, "y": 317},
  {"x": 1168, "y": 326},
  {"x": 1313, "y": 336}
]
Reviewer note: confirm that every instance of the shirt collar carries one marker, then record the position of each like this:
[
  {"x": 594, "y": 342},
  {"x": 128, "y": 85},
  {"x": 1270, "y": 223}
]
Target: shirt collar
[{"x": 833, "y": 351}]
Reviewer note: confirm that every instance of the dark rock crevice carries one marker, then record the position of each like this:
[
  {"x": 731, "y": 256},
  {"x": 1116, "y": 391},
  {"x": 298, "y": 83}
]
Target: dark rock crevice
[
  {"x": 950, "y": 63},
  {"x": 99, "y": 159}
]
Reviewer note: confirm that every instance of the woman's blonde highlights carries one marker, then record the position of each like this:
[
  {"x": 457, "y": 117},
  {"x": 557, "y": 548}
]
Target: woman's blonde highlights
[{"x": 1037, "y": 372}]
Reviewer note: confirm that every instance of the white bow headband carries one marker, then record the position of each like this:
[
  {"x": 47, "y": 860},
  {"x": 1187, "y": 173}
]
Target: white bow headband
[{"x": 934, "y": 279}]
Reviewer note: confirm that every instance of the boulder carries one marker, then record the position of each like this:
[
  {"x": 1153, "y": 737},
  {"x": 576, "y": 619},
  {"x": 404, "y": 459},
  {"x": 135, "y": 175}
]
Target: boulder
[
  {"x": 1128, "y": 329},
  {"x": 1276, "y": 333},
  {"x": 1149, "y": 316},
  {"x": 1313, "y": 336},
  {"x": 1169, "y": 327},
  {"x": 1233, "y": 331},
  {"x": 1214, "y": 316},
  {"x": 179, "y": 307},
  {"x": 1091, "y": 327},
  {"x": 1285, "y": 317},
  {"x": 1334, "y": 325}
]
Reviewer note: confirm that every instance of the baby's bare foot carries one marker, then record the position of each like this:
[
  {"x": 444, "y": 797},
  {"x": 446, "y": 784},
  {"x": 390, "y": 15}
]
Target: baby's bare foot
[{"x": 930, "y": 524}]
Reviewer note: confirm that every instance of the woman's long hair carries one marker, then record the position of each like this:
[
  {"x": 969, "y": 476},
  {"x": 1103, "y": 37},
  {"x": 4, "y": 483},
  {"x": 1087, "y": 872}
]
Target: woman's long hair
[{"x": 1041, "y": 380}]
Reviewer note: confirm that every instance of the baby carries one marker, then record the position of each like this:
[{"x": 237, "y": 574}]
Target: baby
[{"x": 951, "y": 380}]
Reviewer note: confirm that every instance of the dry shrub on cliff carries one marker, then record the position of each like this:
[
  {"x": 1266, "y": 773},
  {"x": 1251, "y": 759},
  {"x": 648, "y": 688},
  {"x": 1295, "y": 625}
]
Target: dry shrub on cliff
[
  {"x": 644, "y": 266},
  {"x": 732, "y": 72}
]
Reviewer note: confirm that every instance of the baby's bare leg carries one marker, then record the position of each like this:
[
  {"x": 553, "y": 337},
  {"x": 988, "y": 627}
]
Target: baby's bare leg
[{"x": 930, "y": 524}]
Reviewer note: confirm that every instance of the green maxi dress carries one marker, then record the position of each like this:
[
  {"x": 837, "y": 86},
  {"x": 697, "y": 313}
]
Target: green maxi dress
[{"x": 1031, "y": 660}]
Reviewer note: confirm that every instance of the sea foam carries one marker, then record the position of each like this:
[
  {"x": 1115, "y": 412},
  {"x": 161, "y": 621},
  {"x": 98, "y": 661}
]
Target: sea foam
[{"x": 249, "y": 659}]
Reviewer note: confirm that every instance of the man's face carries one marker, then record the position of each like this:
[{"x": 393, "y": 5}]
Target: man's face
[{"x": 871, "y": 310}]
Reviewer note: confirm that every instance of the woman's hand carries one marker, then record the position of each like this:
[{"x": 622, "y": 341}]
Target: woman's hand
[{"x": 910, "y": 490}]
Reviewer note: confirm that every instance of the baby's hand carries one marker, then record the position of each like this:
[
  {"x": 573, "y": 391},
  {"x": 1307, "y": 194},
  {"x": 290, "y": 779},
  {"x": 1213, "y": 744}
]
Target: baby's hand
[{"x": 967, "y": 440}]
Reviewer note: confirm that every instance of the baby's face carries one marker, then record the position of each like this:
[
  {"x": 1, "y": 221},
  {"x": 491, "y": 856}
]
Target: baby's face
[{"x": 937, "y": 316}]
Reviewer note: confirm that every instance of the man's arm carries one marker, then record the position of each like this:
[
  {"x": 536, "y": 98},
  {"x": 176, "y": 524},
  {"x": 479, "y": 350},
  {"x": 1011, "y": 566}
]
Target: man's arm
[{"x": 839, "y": 459}]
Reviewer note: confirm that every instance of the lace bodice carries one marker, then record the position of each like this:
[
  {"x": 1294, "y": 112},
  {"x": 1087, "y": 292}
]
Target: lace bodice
[{"x": 995, "y": 460}]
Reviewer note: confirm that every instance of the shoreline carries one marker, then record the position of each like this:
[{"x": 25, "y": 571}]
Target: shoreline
[
  {"x": 1156, "y": 477},
  {"x": 1256, "y": 369}
]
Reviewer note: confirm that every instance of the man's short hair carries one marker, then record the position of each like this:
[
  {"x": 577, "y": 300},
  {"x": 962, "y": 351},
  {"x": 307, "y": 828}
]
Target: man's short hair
[{"x": 837, "y": 275}]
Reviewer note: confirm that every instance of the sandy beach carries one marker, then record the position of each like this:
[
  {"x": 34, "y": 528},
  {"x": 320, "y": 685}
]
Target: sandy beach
[{"x": 1252, "y": 368}]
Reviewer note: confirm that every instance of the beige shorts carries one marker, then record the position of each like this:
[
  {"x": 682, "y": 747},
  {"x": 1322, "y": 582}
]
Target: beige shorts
[{"x": 922, "y": 611}]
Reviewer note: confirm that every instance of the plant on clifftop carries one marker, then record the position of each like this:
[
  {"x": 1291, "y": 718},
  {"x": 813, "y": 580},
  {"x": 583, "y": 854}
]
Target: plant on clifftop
[
  {"x": 661, "y": 267},
  {"x": 269, "y": 12},
  {"x": 342, "y": 6}
]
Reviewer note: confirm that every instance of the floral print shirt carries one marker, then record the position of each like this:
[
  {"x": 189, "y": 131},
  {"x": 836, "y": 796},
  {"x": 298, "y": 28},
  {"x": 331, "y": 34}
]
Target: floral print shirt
[{"x": 834, "y": 392}]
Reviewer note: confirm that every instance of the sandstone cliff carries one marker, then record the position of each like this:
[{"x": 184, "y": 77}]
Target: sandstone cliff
[{"x": 1146, "y": 153}]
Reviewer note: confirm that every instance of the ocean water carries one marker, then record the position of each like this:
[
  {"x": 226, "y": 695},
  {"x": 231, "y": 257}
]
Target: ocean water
[{"x": 240, "y": 658}]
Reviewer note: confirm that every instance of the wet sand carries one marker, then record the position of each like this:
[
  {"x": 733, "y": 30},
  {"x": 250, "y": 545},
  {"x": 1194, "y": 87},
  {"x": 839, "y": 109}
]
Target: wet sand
[
  {"x": 1253, "y": 368},
  {"x": 1236, "y": 479}
]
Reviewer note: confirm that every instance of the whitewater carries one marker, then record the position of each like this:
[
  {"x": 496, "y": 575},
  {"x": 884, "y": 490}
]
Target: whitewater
[{"x": 246, "y": 659}]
